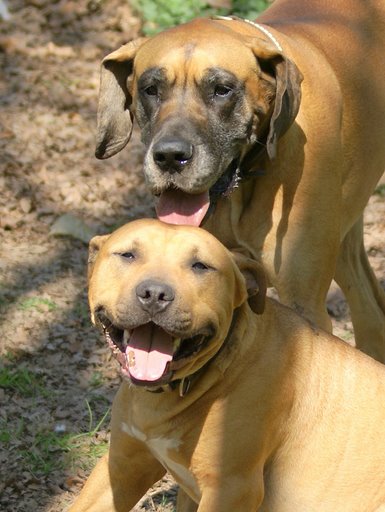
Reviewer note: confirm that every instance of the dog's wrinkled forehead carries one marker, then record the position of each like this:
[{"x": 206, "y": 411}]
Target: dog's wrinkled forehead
[
  {"x": 204, "y": 45},
  {"x": 158, "y": 241}
]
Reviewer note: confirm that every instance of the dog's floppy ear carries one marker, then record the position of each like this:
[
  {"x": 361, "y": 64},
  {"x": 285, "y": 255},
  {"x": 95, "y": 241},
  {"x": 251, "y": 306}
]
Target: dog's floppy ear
[
  {"x": 114, "y": 115},
  {"x": 96, "y": 243},
  {"x": 288, "y": 80},
  {"x": 255, "y": 280}
]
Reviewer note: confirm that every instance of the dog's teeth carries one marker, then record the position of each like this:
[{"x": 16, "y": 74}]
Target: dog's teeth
[
  {"x": 126, "y": 337},
  {"x": 177, "y": 343}
]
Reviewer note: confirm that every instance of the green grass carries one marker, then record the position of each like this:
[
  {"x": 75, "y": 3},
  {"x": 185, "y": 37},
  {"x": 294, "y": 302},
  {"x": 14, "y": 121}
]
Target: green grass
[
  {"x": 9, "y": 357},
  {"x": 45, "y": 454},
  {"x": 5, "y": 433},
  {"x": 249, "y": 9},
  {"x": 158, "y": 15},
  {"x": 85, "y": 449},
  {"x": 48, "y": 450},
  {"x": 38, "y": 303},
  {"x": 347, "y": 336},
  {"x": 380, "y": 190},
  {"x": 165, "y": 501},
  {"x": 42, "y": 449},
  {"x": 52, "y": 451},
  {"x": 96, "y": 379},
  {"x": 22, "y": 381}
]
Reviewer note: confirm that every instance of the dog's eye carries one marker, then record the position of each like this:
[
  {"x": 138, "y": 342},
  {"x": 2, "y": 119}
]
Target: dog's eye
[
  {"x": 127, "y": 255},
  {"x": 151, "y": 90},
  {"x": 222, "y": 91},
  {"x": 198, "y": 266}
]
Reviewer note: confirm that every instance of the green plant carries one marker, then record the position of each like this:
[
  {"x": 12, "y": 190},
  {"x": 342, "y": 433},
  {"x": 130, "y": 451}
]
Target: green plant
[
  {"x": 5, "y": 433},
  {"x": 96, "y": 379},
  {"x": 42, "y": 456},
  {"x": 83, "y": 311},
  {"x": 22, "y": 381},
  {"x": 85, "y": 448},
  {"x": 39, "y": 303},
  {"x": 160, "y": 14},
  {"x": 165, "y": 501},
  {"x": 48, "y": 450},
  {"x": 9, "y": 356},
  {"x": 380, "y": 190},
  {"x": 9, "y": 433}
]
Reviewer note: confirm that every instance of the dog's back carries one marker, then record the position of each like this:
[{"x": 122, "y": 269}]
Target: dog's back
[
  {"x": 351, "y": 36},
  {"x": 333, "y": 447}
]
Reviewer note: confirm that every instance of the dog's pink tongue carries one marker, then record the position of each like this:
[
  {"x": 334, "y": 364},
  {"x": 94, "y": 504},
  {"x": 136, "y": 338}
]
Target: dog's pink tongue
[
  {"x": 149, "y": 350},
  {"x": 177, "y": 207}
]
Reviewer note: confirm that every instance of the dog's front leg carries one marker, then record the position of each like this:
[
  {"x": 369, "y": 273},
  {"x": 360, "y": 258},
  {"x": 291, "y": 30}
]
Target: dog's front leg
[
  {"x": 241, "y": 494},
  {"x": 244, "y": 504},
  {"x": 185, "y": 503},
  {"x": 119, "y": 479}
]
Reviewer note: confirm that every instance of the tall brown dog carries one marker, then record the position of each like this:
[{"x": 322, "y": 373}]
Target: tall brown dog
[
  {"x": 248, "y": 412},
  {"x": 219, "y": 104}
]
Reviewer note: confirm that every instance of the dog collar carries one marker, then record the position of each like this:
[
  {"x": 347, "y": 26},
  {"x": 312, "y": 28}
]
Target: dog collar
[
  {"x": 260, "y": 27},
  {"x": 183, "y": 384},
  {"x": 234, "y": 175}
]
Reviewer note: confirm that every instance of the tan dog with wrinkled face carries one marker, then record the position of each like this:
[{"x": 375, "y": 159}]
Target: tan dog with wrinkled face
[
  {"x": 249, "y": 412},
  {"x": 220, "y": 101}
]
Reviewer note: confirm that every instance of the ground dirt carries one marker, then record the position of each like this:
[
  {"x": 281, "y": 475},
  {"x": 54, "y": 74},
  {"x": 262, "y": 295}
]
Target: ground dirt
[{"x": 63, "y": 375}]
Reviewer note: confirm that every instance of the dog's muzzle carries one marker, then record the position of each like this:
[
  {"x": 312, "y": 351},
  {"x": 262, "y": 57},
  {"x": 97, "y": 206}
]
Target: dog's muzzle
[{"x": 148, "y": 354}]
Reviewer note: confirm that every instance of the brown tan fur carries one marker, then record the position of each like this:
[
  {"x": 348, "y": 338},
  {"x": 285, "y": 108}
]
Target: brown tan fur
[
  {"x": 282, "y": 417},
  {"x": 324, "y": 145}
]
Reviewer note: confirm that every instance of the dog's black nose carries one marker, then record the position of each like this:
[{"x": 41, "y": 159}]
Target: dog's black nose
[
  {"x": 172, "y": 154},
  {"x": 153, "y": 296}
]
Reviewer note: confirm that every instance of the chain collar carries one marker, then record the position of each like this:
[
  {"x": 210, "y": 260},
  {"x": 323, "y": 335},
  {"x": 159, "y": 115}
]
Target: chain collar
[{"x": 258, "y": 26}]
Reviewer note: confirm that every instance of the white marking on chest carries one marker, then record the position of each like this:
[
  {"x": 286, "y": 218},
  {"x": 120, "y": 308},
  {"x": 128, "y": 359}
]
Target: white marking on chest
[
  {"x": 160, "y": 447},
  {"x": 132, "y": 431}
]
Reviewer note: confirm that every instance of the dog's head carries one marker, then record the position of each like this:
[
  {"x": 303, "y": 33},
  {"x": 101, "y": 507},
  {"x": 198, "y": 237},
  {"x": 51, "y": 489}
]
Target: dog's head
[
  {"x": 164, "y": 296},
  {"x": 203, "y": 94}
]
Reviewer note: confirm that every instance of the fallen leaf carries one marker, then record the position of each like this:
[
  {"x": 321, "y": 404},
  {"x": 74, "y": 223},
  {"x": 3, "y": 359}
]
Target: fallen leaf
[{"x": 69, "y": 225}]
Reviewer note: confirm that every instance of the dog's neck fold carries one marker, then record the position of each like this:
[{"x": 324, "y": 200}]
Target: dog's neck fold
[{"x": 221, "y": 359}]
